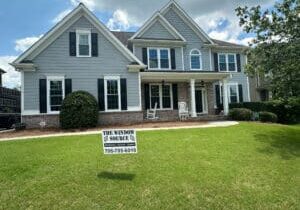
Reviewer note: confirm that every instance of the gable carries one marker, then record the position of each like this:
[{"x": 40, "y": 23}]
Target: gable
[
  {"x": 179, "y": 19},
  {"x": 157, "y": 31},
  {"x": 58, "y": 29},
  {"x": 58, "y": 51}
]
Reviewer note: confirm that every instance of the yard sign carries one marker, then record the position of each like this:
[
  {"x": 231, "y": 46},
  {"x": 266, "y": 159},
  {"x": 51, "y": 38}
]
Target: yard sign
[{"x": 119, "y": 142}]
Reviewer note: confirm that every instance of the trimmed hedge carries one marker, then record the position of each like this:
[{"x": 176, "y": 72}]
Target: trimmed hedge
[
  {"x": 287, "y": 111},
  {"x": 79, "y": 110},
  {"x": 267, "y": 117},
  {"x": 240, "y": 114}
]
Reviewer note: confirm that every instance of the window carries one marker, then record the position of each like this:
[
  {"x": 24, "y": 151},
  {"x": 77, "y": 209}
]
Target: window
[
  {"x": 55, "y": 92},
  {"x": 231, "y": 62},
  {"x": 196, "y": 61},
  {"x": 233, "y": 93},
  {"x": 162, "y": 95},
  {"x": 159, "y": 58},
  {"x": 112, "y": 93},
  {"x": 83, "y": 43},
  {"x": 227, "y": 62},
  {"x": 222, "y": 62}
]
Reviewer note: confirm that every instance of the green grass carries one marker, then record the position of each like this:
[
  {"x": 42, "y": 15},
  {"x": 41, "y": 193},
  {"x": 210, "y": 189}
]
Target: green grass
[{"x": 248, "y": 166}]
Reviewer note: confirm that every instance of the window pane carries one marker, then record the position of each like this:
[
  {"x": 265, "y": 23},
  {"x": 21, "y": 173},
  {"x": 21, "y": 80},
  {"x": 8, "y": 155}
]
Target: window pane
[
  {"x": 231, "y": 62},
  {"x": 195, "y": 61},
  {"x": 153, "y": 59},
  {"x": 195, "y": 52},
  {"x": 112, "y": 94},
  {"x": 166, "y": 96},
  {"x": 233, "y": 94},
  {"x": 56, "y": 95},
  {"x": 164, "y": 59},
  {"x": 154, "y": 91},
  {"x": 222, "y": 62},
  {"x": 84, "y": 44}
]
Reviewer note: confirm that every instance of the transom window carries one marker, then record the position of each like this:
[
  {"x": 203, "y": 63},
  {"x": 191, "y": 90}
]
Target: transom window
[
  {"x": 159, "y": 58},
  {"x": 227, "y": 62},
  {"x": 162, "y": 95},
  {"x": 112, "y": 93},
  {"x": 83, "y": 43},
  {"x": 56, "y": 93},
  {"x": 196, "y": 60}
]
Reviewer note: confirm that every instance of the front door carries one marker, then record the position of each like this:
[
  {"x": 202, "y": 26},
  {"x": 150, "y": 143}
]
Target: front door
[{"x": 199, "y": 101}]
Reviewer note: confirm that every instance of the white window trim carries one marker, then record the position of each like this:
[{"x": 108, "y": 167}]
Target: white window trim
[
  {"x": 200, "y": 59},
  {"x": 161, "y": 96},
  {"x": 106, "y": 78},
  {"x": 227, "y": 61},
  {"x": 83, "y": 32},
  {"x": 237, "y": 91},
  {"x": 158, "y": 49},
  {"x": 54, "y": 78}
]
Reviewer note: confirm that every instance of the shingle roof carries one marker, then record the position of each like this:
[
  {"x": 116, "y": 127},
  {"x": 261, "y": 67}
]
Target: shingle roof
[{"x": 124, "y": 36}]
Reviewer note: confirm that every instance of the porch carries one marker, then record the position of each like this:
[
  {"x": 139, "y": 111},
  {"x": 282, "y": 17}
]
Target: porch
[{"x": 196, "y": 89}]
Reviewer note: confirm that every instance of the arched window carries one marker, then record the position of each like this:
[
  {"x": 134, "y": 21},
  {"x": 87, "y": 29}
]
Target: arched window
[{"x": 196, "y": 60}]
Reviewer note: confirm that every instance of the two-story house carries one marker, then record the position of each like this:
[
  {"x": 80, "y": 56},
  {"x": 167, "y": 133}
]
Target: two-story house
[{"x": 170, "y": 59}]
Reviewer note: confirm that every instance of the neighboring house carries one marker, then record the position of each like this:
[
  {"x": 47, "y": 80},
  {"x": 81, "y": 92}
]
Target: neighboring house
[
  {"x": 170, "y": 59},
  {"x": 9, "y": 105},
  {"x": 260, "y": 88}
]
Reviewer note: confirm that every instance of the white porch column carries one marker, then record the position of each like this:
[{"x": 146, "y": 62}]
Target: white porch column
[
  {"x": 225, "y": 97},
  {"x": 193, "y": 100}
]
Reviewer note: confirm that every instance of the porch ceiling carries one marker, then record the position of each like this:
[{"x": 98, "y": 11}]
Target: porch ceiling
[{"x": 183, "y": 76}]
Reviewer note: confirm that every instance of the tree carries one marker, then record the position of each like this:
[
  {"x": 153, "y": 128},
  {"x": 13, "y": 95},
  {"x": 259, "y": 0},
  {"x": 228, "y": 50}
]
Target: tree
[{"x": 276, "y": 47}]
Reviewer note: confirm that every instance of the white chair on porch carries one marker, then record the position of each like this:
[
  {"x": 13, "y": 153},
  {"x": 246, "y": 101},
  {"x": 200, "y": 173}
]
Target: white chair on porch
[
  {"x": 183, "y": 111},
  {"x": 151, "y": 113}
]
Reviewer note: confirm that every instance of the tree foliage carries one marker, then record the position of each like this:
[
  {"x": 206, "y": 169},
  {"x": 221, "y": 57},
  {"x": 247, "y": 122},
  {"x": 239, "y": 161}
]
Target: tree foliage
[{"x": 276, "y": 46}]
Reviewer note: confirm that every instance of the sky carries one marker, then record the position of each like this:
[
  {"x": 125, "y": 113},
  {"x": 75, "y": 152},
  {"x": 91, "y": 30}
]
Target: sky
[{"x": 24, "y": 22}]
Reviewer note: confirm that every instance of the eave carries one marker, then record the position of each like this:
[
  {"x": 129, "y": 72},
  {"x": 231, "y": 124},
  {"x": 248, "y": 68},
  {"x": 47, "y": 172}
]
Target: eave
[{"x": 24, "y": 66}]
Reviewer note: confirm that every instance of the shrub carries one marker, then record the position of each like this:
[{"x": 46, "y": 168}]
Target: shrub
[
  {"x": 268, "y": 117},
  {"x": 241, "y": 114},
  {"x": 287, "y": 111},
  {"x": 79, "y": 110}
]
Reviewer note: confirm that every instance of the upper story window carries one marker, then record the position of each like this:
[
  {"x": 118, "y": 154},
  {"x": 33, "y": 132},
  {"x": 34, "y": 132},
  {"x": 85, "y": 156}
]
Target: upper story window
[
  {"x": 55, "y": 92},
  {"x": 159, "y": 58},
  {"x": 227, "y": 62},
  {"x": 196, "y": 60},
  {"x": 83, "y": 43}
]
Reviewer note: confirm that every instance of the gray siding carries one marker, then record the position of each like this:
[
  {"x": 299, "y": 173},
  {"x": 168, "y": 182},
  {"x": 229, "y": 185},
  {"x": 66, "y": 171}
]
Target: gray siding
[
  {"x": 157, "y": 31},
  {"x": 193, "y": 41},
  {"x": 84, "y": 72}
]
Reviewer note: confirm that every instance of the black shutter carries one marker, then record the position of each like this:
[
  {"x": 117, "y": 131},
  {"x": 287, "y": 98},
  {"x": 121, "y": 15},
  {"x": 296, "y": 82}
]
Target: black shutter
[
  {"x": 101, "y": 97},
  {"x": 175, "y": 96},
  {"x": 238, "y": 62},
  {"x": 173, "y": 59},
  {"x": 217, "y": 91},
  {"x": 43, "y": 96},
  {"x": 68, "y": 86},
  {"x": 94, "y": 45},
  {"x": 123, "y": 94},
  {"x": 147, "y": 96},
  {"x": 241, "y": 93},
  {"x": 72, "y": 42},
  {"x": 145, "y": 56},
  {"x": 216, "y": 62}
]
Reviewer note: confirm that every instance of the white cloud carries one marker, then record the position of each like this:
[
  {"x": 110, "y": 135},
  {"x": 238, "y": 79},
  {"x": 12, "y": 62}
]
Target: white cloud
[
  {"x": 61, "y": 15},
  {"x": 24, "y": 43},
  {"x": 11, "y": 79},
  {"x": 119, "y": 21}
]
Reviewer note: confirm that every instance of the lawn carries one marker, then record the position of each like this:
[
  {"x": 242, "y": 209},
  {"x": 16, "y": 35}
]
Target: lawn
[{"x": 248, "y": 166}]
